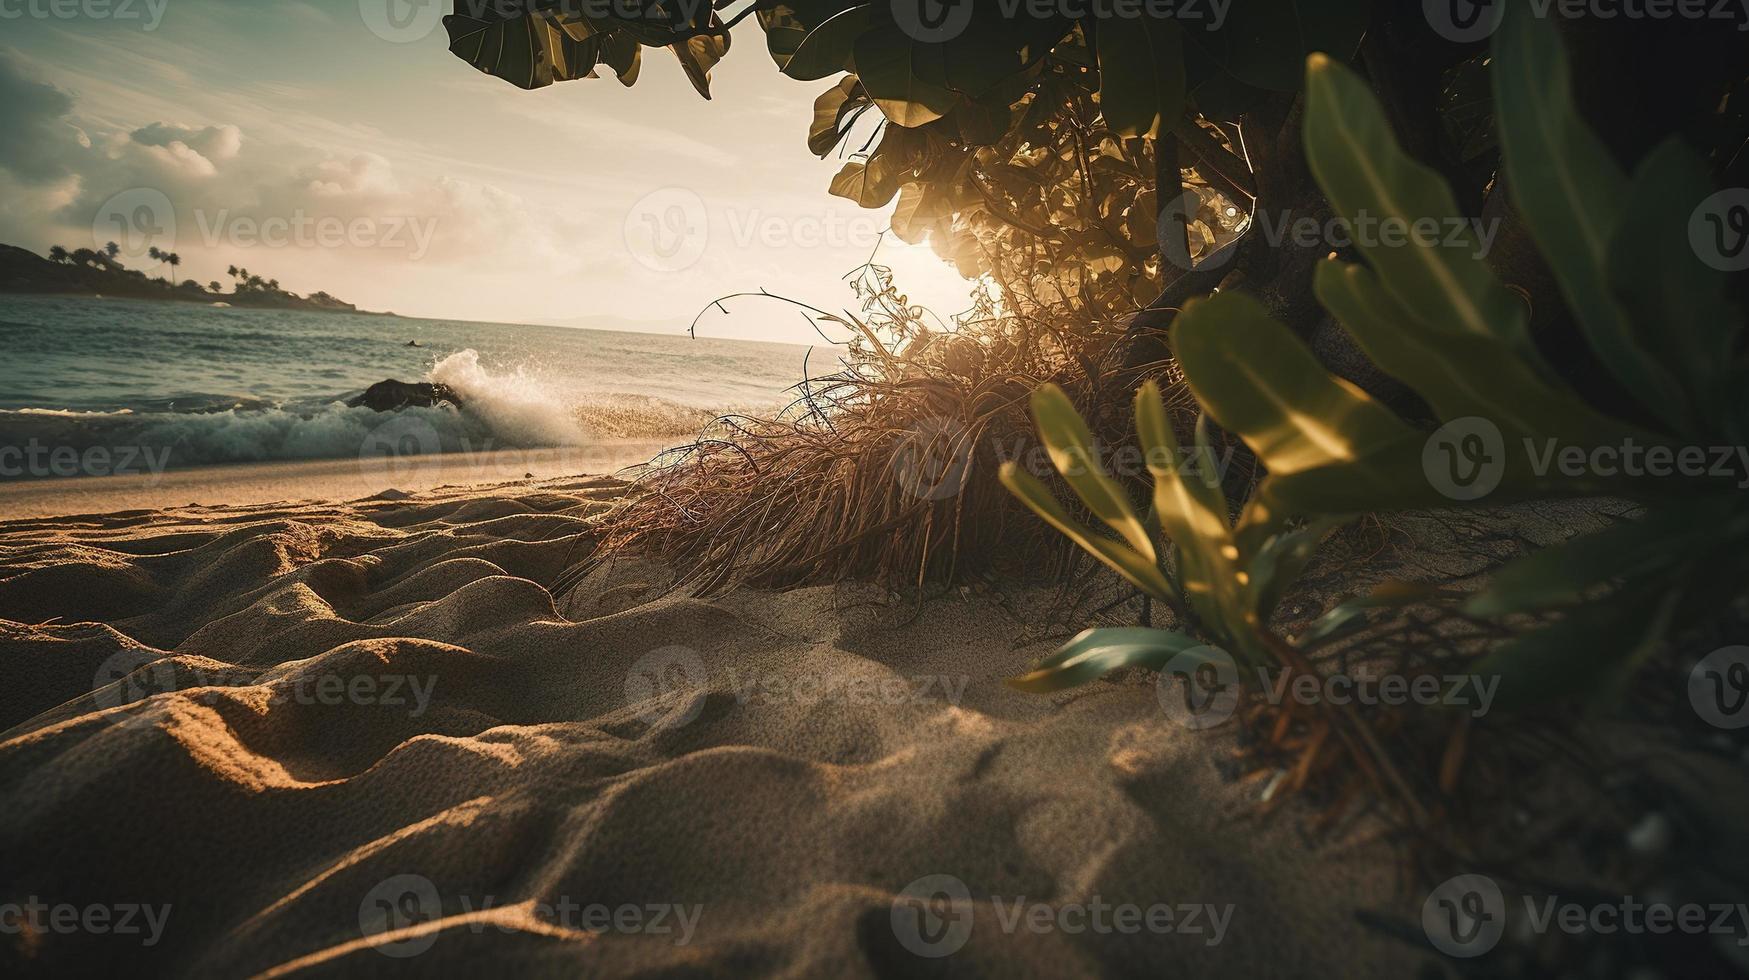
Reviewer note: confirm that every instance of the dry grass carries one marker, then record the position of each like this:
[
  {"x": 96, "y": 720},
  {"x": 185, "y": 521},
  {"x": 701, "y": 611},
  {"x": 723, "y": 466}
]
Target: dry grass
[{"x": 886, "y": 470}]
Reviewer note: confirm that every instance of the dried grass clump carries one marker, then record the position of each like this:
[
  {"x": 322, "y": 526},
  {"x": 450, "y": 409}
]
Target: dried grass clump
[{"x": 886, "y": 469}]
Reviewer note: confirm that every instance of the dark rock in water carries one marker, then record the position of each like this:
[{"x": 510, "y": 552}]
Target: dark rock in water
[
  {"x": 414, "y": 343},
  {"x": 392, "y": 395}
]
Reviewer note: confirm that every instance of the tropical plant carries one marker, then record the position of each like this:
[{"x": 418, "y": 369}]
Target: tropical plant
[
  {"x": 58, "y": 253},
  {"x": 1435, "y": 316}
]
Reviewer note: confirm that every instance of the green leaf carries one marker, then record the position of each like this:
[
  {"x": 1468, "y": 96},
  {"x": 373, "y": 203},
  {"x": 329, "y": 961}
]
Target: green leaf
[
  {"x": 1097, "y": 652},
  {"x": 1264, "y": 43},
  {"x": 1141, "y": 75},
  {"x": 1677, "y": 301},
  {"x": 830, "y": 110},
  {"x": 530, "y": 52},
  {"x": 698, "y": 55},
  {"x": 1369, "y": 179},
  {"x": 1588, "y": 653},
  {"x": 1194, "y": 516},
  {"x": 1072, "y": 451},
  {"x": 1565, "y": 572},
  {"x": 1571, "y": 194},
  {"x": 622, "y": 52},
  {"x": 1138, "y": 571},
  {"x": 783, "y": 32},
  {"x": 905, "y": 79},
  {"x": 1257, "y": 379},
  {"x": 1283, "y": 559},
  {"x": 826, "y": 50},
  {"x": 1458, "y": 375}
]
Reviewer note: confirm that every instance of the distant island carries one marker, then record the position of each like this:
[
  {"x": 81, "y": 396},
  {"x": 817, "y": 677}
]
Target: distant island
[{"x": 99, "y": 272}]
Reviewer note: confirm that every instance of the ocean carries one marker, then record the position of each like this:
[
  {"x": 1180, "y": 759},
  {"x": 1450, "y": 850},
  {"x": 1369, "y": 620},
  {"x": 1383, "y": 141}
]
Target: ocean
[{"x": 86, "y": 382}]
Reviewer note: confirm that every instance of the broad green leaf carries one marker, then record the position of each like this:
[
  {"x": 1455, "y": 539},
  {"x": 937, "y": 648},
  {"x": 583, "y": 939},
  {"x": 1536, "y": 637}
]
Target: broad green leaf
[
  {"x": 783, "y": 33},
  {"x": 1141, "y": 75},
  {"x": 1567, "y": 571},
  {"x": 1677, "y": 301},
  {"x": 1193, "y": 515},
  {"x": 1571, "y": 195},
  {"x": 1349, "y": 616},
  {"x": 1435, "y": 270},
  {"x": 530, "y": 52},
  {"x": 905, "y": 79},
  {"x": 1257, "y": 379},
  {"x": 1066, "y": 437},
  {"x": 826, "y": 50},
  {"x": 1329, "y": 447},
  {"x": 1282, "y": 559},
  {"x": 1587, "y": 653},
  {"x": 622, "y": 52},
  {"x": 1458, "y": 375},
  {"x": 698, "y": 55},
  {"x": 830, "y": 110},
  {"x": 1138, "y": 571},
  {"x": 1264, "y": 43},
  {"x": 1097, "y": 652}
]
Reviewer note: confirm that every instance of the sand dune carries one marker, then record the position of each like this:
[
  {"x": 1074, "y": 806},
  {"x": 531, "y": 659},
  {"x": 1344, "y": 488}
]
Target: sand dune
[{"x": 367, "y": 739}]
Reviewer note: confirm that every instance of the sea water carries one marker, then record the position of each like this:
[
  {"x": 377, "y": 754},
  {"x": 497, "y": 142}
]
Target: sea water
[{"x": 197, "y": 385}]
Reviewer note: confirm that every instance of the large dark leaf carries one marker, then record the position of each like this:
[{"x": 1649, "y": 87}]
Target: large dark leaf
[
  {"x": 530, "y": 51},
  {"x": 1571, "y": 194},
  {"x": 826, "y": 50},
  {"x": 1264, "y": 43},
  {"x": 906, "y": 79},
  {"x": 1141, "y": 74}
]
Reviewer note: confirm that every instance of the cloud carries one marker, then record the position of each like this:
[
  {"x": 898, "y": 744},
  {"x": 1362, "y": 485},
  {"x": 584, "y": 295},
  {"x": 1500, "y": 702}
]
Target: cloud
[
  {"x": 33, "y": 128},
  {"x": 314, "y": 218}
]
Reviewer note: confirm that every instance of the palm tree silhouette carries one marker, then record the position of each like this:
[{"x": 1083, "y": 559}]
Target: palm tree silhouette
[{"x": 57, "y": 253}]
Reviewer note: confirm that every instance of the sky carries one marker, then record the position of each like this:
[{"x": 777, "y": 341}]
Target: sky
[{"x": 319, "y": 143}]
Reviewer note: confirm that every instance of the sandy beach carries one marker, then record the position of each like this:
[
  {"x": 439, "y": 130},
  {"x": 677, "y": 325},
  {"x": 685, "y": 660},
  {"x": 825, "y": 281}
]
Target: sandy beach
[{"x": 392, "y": 737}]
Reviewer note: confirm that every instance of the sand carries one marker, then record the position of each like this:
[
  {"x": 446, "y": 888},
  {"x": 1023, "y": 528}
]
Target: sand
[{"x": 383, "y": 738}]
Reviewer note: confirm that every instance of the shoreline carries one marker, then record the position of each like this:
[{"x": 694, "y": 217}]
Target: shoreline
[{"x": 284, "y": 481}]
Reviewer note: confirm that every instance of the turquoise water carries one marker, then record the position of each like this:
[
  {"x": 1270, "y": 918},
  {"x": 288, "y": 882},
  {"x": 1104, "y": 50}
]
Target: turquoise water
[{"x": 199, "y": 385}]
